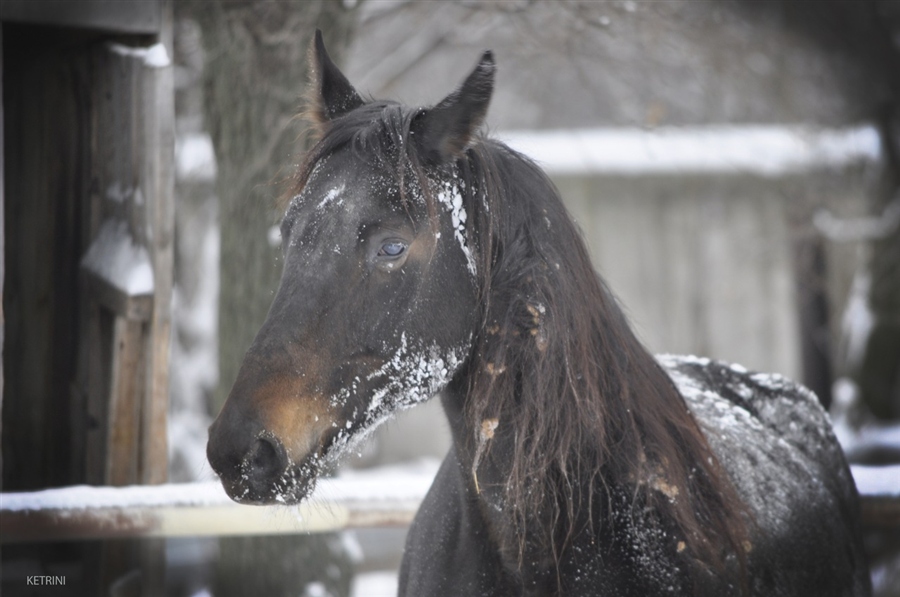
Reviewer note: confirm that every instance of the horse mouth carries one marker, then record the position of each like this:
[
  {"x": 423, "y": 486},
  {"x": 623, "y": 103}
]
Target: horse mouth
[
  {"x": 286, "y": 491},
  {"x": 267, "y": 476},
  {"x": 297, "y": 480}
]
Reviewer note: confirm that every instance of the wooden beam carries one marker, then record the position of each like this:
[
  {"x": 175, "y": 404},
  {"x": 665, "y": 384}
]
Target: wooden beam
[
  {"x": 2, "y": 242},
  {"x": 116, "y": 16},
  {"x": 375, "y": 498},
  {"x": 158, "y": 184},
  {"x": 123, "y": 442},
  {"x": 203, "y": 510}
]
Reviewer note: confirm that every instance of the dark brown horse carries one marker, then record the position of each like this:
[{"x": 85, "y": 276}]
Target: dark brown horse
[{"x": 421, "y": 258}]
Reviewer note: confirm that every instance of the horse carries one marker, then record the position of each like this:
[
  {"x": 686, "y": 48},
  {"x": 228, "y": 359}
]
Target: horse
[{"x": 423, "y": 258}]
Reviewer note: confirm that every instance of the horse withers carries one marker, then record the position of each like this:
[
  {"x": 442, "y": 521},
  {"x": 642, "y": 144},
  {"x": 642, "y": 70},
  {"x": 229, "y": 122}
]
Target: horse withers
[{"x": 421, "y": 258}]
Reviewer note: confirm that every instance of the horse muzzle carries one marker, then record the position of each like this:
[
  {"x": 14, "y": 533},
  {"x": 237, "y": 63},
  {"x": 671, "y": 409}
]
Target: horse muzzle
[
  {"x": 266, "y": 443},
  {"x": 260, "y": 471}
]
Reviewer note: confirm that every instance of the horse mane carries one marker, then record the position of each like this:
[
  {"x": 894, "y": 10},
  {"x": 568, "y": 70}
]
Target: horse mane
[
  {"x": 591, "y": 407},
  {"x": 586, "y": 406}
]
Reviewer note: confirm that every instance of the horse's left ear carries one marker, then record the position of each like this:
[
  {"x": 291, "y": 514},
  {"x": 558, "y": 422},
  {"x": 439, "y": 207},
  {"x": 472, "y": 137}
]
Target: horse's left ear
[
  {"x": 444, "y": 131},
  {"x": 331, "y": 94}
]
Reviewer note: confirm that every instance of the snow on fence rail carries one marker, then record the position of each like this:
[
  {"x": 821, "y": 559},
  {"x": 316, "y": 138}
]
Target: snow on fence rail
[
  {"x": 763, "y": 150},
  {"x": 380, "y": 497},
  {"x": 388, "y": 496}
]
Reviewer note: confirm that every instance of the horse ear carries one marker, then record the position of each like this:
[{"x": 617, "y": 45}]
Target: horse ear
[
  {"x": 331, "y": 94},
  {"x": 444, "y": 131}
]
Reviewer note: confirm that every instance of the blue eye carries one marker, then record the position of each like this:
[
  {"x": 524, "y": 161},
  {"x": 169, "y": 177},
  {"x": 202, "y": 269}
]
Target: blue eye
[{"x": 392, "y": 249}]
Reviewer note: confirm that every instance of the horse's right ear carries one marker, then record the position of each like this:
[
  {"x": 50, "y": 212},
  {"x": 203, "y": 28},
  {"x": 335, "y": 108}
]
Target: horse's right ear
[
  {"x": 445, "y": 131},
  {"x": 331, "y": 95}
]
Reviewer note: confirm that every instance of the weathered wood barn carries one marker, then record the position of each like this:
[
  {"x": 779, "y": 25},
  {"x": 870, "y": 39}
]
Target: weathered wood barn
[{"x": 87, "y": 201}]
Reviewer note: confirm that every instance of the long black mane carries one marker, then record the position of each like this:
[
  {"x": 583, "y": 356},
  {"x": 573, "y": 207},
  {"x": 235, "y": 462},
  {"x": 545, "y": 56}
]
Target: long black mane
[{"x": 588, "y": 413}]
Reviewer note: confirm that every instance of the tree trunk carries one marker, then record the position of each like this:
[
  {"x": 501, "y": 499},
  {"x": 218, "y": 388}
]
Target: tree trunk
[{"x": 254, "y": 78}]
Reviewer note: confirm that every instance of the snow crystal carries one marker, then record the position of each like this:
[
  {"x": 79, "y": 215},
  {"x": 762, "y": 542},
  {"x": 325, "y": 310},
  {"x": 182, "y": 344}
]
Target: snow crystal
[
  {"x": 451, "y": 197},
  {"x": 375, "y": 584},
  {"x": 195, "y": 160},
  {"x": 84, "y": 497},
  {"x": 765, "y": 438},
  {"x": 877, "y": 480},
  {"x": 154, "y": 56},
  {"x": 332, "y": 195},
  {"x": 415, "y": 375},
  {"x": 116, "y": 258},
  {"x": 412, "y": 375},
  {"x": 274, "y": 236},
  {"x": 867, "y": 228},
  {"x": 316, "y": 589},
  {"x": 858, "y": 320},
  {"x": 117, "y": 192},
  {"x": 669, "y": 360},
  {"x": 350, "y": 545}
]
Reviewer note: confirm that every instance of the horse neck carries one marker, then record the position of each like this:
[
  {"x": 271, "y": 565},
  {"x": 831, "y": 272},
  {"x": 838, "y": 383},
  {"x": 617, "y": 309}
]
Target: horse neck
[
  {"x": 561, "y": 410},
  {"x": 483, "y": 480},
  {"x": 484, "y": 471}
]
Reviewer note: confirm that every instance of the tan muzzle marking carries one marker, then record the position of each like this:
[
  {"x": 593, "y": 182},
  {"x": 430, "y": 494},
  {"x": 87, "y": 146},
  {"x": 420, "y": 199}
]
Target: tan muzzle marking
[{"x": 295, "y": 417}]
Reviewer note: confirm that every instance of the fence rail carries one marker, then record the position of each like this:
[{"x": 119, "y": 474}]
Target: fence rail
[
  {"x": 383, "y": 497},
  {"x": 375, "y": 498}
]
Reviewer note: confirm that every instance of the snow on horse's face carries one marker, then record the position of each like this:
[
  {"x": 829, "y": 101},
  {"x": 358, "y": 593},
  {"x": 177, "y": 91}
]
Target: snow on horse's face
[{"x": 375, "y": 312}]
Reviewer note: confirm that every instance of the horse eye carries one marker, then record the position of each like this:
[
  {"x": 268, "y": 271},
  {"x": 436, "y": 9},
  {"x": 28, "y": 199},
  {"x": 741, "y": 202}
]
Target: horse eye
[{"x": 392, "y": 249}]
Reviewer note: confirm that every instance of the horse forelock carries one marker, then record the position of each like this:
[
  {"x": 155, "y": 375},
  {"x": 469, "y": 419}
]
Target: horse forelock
[{"x": 379, "y": 135}]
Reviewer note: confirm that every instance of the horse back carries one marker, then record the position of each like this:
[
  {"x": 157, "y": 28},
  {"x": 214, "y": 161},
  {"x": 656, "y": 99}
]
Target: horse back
[{"x": 776, "y": 443}]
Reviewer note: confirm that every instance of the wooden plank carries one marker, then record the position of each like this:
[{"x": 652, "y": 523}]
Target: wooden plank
[
  {"x": 133, "y": 167},
  {"x": 127, "y": 328},
  {"x": 202, "y": 521},
  {"x": 701, "y": 265},
  {"x": 203, "y": 509},
  {"x": 2, "y": 245},
  {"x": 881, "y": 511},
  {"x": 158, "y": 185},
  {"x": 123, "y": 432},
  {"x": 133, "y": 16},
  {"x": 372, "y": 498}
]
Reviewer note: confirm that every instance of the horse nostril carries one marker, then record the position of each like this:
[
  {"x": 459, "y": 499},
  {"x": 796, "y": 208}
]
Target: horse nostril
[{"x": 266, "y": 459}]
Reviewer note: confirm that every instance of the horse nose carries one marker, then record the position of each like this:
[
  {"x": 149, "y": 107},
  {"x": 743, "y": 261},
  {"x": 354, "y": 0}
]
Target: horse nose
[
  {"x": 264, "y": 463},
  {"x": 250, "y": 463}
]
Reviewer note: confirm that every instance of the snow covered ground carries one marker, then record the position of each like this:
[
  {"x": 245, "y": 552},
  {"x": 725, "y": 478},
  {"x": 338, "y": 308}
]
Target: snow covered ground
[{"x": 375, "y": 584}]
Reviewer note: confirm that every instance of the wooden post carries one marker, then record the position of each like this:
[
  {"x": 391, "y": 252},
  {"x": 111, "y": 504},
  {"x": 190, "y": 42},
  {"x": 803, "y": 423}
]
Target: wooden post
[
  {"x": 135, "y": 140},
  {"x": 2, "y": 247},
  {"x": 128, "y": 267}
]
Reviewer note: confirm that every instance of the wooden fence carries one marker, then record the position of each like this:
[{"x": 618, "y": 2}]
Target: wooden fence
[{"x": 375, "y": 498}]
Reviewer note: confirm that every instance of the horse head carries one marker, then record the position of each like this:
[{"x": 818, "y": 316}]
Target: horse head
[{"x": 377, "y": 302}]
